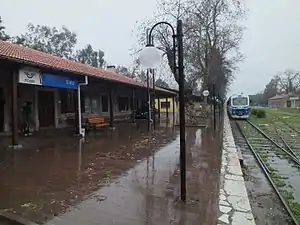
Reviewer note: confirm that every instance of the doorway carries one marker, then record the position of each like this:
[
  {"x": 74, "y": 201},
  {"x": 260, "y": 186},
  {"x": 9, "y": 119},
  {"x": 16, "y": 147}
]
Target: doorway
[
  {"x": 2, "y": 104},
  {"x": 46, "y": 108}
]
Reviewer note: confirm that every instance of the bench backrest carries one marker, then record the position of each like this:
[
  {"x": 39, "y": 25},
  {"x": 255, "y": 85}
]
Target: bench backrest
[{"x": 96, "y": 120}]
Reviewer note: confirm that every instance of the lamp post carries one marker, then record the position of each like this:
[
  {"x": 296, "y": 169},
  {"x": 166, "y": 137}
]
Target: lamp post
[
  {"x": 148, "y": 99},
  {"x": 219, "y": 110},
  {"x": 214, "y": 104},
  {"x": 149, "y": 58},
  {"x": 205, "y": 94},
  {"x": 153, "y": 99}
]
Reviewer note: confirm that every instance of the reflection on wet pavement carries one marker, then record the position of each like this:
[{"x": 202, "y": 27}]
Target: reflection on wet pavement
[{"x": 127, "y": 178}]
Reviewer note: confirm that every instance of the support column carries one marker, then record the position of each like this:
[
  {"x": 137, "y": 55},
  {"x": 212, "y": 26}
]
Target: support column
[
  {"x": 133, "y": 105},
  {"x": 173, "y": 104},
  {"x": 214, "y": 106},
  {"x": 158, "y": 108},
  {"x": 14, "y": 109},
  {"x": 167, "y": 111},
  {"x": 76, "y": 110},
  {"x": 111, "y": 108}
]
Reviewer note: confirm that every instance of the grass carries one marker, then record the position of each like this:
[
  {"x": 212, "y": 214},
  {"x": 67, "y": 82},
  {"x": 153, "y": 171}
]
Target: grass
[
  {"x": 291, "y": 116},
  {"x": 257, "y": 120},
  {"x": 295, "y": 207},
  {"x": 277, "y": 179}
]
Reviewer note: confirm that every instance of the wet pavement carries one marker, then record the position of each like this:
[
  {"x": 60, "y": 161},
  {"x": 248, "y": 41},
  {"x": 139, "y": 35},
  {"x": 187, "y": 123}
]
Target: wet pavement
[{"x": 128, "y": 176}]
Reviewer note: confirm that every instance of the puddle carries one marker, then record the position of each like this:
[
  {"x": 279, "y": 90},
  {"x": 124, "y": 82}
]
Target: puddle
[
  {"x": 125, "y": 198},
  {"x": 129, "y": 177},
  {"x": 44, "y": 181},
  {"x": 284, "y": 168}
]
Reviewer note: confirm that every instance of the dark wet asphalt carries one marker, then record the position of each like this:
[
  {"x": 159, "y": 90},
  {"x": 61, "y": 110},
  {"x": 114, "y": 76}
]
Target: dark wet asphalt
[{"x": 128, "y": 176}]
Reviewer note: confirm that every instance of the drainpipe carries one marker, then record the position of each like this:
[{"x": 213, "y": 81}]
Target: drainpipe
[{"x": 81, "y": 131}]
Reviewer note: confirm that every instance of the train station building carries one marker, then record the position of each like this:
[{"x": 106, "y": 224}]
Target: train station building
[{"x": 50, "y": 85}]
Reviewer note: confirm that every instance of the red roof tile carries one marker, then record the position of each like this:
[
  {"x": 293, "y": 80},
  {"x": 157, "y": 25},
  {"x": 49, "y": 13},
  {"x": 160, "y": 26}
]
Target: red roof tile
[
  {"x": 30, "y": 56},
  {"x": 282, "y": 96}
]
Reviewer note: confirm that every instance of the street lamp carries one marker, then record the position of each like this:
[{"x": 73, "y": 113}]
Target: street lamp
[
  {"x": 149, "y": 58},
  {"x": 205, "y": 94}
]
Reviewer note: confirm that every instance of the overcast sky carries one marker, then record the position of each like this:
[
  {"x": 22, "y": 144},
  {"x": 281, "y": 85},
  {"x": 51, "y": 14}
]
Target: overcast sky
[{"x": 271, "y": 41}]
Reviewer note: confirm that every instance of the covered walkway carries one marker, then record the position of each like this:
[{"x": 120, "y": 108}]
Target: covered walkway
[{"x": 50, "y": 85}]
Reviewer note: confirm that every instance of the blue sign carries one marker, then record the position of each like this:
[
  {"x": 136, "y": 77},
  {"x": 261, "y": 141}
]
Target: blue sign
[{"x": 59, "y": 81}]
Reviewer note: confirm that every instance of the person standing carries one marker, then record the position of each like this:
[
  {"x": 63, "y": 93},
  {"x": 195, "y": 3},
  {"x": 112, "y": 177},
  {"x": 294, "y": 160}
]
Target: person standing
[{"x": 26, "y": 114}]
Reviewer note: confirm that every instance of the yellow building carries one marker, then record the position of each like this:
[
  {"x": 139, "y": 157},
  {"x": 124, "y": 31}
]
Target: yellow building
[{"x": 165, "y": 104}]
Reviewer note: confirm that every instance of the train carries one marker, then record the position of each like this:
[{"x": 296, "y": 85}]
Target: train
[{"x": 238, "y": 106}]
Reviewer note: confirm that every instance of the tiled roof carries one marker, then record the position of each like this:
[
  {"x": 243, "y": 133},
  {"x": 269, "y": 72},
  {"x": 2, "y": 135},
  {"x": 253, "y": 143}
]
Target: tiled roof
[
  {"x": 282, "y": 96},
  {"x": 278, "y": 97},
  {"x": 30, "y": 56}
]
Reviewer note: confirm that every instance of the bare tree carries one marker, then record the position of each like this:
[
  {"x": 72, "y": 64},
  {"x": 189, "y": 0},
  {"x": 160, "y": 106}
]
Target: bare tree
[
  {"x": 3, "y": 35},
  {"x": 161, "y": 83},
  {"x": 52, "y": 40},
  {"x": 271, "y": 89},
  {"x": 209, "y": 26},
  {"x": 169, "y": 11},
  {"x": 288, "y": 80},
  {"x": 128, "y": 72},
  {"x": 214, "y": 36}
]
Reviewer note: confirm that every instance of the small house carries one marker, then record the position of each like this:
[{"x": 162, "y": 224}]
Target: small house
[{"x": 284, "y": 101}]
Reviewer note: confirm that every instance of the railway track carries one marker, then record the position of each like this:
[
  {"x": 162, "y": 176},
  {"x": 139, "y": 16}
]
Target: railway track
[
  {"x": 277, "y": 161},
  {"x": 281, "y": 137},
  {"x": 282, "y": 120},
  {"x": 289, "y": 135}
]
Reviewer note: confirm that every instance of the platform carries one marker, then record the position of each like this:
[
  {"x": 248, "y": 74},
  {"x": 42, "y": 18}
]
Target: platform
[{"x": 234, "y": 206}]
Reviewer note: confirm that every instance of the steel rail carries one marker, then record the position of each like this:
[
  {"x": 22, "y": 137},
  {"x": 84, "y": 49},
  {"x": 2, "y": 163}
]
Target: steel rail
[
  {"x": 286, "y": 123},
  {"x": 266, "y": 172},
  {"x": 284, "y": 142},
  {"x": 275, "y": 143}
]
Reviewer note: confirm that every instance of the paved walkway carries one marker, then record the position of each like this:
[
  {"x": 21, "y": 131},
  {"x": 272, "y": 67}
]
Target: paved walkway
[
  {"x": 124, "y": 177},
  {"x": 234, "y": 204}
]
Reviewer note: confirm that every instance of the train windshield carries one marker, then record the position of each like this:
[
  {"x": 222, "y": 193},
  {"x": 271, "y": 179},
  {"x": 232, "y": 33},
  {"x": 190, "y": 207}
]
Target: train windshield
[{"x": 240, "y": 101}]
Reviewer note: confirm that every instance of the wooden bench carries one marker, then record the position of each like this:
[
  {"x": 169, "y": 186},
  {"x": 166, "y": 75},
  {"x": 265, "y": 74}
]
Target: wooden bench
[{"x": 96, "y": 122}]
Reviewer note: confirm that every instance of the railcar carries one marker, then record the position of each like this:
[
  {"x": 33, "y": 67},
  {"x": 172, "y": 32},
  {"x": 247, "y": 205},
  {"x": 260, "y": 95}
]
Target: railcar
[{"x": 238, "y": 106}]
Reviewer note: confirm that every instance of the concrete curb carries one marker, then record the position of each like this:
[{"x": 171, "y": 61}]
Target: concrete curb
[
  {"x": 234, "y": 206},
  {"x": 9, "y": 218}
]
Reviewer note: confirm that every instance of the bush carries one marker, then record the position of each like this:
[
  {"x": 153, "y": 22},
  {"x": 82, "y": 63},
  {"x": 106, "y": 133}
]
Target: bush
[
  {"x": 254, "y": 112},
  {"x": 261, "y": 113}
]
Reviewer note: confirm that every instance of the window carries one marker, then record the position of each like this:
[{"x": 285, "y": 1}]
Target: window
[
  {"x": 87, "y": 105},
  {"x": 240, "y": 101},
  {"x": 123, "y": 104},
  {"x": 104, "y": 101},
  {"x": 95, "y": 105},
  {"x": 67, "y": 101},
  {"x": 92, "y": 105},
  {"x": 165, "y": 105}
]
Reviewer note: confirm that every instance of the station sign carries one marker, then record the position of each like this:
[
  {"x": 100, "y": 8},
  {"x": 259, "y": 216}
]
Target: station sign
[
  {"x": 52, "y": 80},
  {"x": 29, "y": 75}
]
